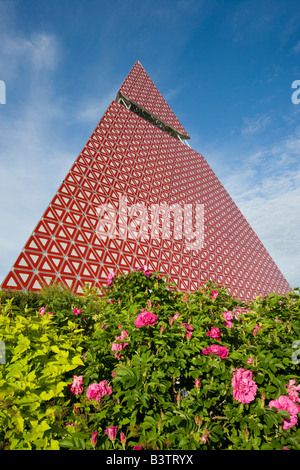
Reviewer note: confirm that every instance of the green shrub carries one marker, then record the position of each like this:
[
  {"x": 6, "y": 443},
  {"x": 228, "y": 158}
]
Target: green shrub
[
  {"x": 22, "y": 300},
  {"x": 34, "y": 379},
  {"x": 161, "y": 369}
]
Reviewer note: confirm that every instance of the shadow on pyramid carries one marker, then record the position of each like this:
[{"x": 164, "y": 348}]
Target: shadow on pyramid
[{"x": 139, "y": 195}]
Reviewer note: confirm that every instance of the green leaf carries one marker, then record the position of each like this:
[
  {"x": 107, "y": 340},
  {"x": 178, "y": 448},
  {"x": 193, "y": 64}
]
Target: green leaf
[
  {"x": 259, "y": 410},
  {"x": 271, "y": 389},
  {"x": 144, "y": 399},
  {"x": 184, "y": 442},
  {"x": 294, "y": 441},
  {"x": 66, "y": 443},
  {"x": 43, "y": 426},
  {"x": 44, "y": 339},
  {"x": 175, "y": 420},
  {"x": 20, "y": 422},
  {"x": 14, "y": 443},
  {"x": 240, "y": 409},
  {"x": 266, "y": 447},
  {"x": 77, "y": 360},
  {"x": 46, "y": 396},
  {"x": 270, "y": 420},
  {"x": 284, "y": 414},
  {"x": 54, "y": 445},
  {"x": 217, "y": 429},
  {"x": 260, "y": 378}
]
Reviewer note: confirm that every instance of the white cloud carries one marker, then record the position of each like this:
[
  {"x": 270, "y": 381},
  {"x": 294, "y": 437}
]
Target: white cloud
[
  {"x": 296, "y": 48},
  {"x": 277, "y": 222},
  {"x": 31, "y": 160},
  {"x": 92, "y": 110},
  {"x": 266, "y": 188},
  {"x": 38, "y": 53},
  {"x": 36, "y": 151},
  {"x": 256, "y": 124}
]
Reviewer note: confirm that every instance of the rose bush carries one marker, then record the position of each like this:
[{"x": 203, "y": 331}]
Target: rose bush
[{"x": 147, "y": 367}]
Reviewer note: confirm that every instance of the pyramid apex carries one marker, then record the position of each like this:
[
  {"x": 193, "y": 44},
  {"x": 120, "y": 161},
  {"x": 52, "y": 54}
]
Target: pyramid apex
[{"x": 140, "y": 90}]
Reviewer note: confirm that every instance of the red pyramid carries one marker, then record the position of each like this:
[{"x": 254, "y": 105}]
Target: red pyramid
[{"x": 103, "y": 217}]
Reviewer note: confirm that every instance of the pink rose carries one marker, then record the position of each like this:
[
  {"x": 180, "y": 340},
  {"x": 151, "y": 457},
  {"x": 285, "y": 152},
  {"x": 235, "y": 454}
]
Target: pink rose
[
  {"x": 293, "y": 391},
  {"x": 188, "y": 334},
  {"x": 214, "y": 294},
  {"x": 197, "y": 383},
  {"x": 214, "y": 333},
  {"x": 76, "y": 311},
  {"x": 256, "y": 328},
  {"x": 216, "y": 349},
  {"x": 111, "y": 432},
  {"x": 285, "y": 403},
  {"x": 138, "y": 448},
  {"x": 187, "y": 326},
  {"x": 122, "y": 438},
  {"x": 76, "y": 385},
  {"x": 124, "y": 335},
  {"x": 110, "y": 279},
  {"x": 228, "y": 317},
  {"x": 118, "y": 346},
  {"x": 177, "y": 315},
  {"x": 43, "y": 311},
  {"x": 97, "y": 391},
  {"x": 145, "y": 318},
  {"x": 244, "y": 388},
  {"x": 94, "y": 438},
  {"x": 145, "y": 269},
  {"x": 204, "y": 438}
]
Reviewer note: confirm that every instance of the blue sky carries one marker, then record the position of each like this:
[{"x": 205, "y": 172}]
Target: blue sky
[{"x": 225, "y": 67}]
